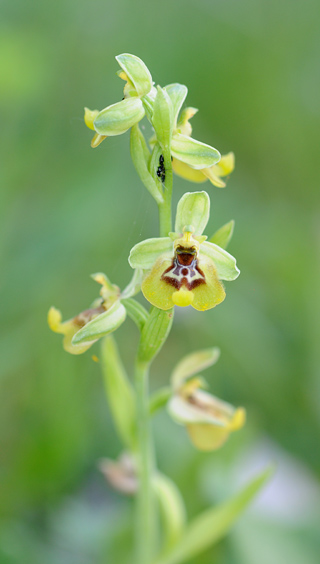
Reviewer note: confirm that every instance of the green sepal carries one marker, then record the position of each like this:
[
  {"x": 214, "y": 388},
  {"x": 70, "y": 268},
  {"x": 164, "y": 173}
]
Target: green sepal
[
  {"x": 193, "y": 209},
  {"x": 140, "y": 157},
  {"x": 136, "y": 312},
  {"x": 101, "y": 325},
  {"x": 162, "y": 119},
  {"x": 120, "y": 395},
  {"x": 148, "y": 104},
  {"x": 172, "y": 508},
  {"x": 223, "y": 236},
  {"x": 159, "y": 399},
  {"x": 212, "y": 525},
  {"x": 192, "y": 364},
  {"x": 224, "y": 262},
  {"x": 177, "y": 93},
  {"x": 154, "y": 333},
  {"x": 137, "y": 72},
  {"x": 194, "y": 153},
  {"x": 144, "y": 254},
  {"x": 118, "y": 118}
]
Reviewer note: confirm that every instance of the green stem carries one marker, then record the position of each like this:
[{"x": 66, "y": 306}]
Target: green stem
[
  {"x": 146, "y": 524},
  {"x": 165, "y": 214}
]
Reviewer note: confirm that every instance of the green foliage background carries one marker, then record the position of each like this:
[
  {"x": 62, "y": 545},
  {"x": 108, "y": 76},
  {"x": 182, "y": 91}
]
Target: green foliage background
[{"x": 67, "y": 211}]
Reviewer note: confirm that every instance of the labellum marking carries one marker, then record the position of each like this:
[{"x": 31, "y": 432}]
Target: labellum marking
[{"x": 184, "y": 270}]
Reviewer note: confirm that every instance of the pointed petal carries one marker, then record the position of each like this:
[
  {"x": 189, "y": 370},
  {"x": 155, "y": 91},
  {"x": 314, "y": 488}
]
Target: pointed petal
[
  {"x": 193, "y": 209},
  {"x": 210, "y": 294},
  {"x": 144, "y": 254},
  {"x": 102, "y": 325},
  {"x": 185, "y": 171},
  {"x": 157, "y": 291},
  {"x": 137, "y": 72},
  {"x": 226, "y": 164},
  {"x": 193, "y": 364},
  {"x": 224, "y": 262},
  {"x": 194, "y": 153},
  {"x": 118, "y": 118},
  {"x": 89, "y": 117}
]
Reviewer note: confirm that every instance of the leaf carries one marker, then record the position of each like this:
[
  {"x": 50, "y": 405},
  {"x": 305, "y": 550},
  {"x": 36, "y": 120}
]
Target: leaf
[
  {"x": 212, "y": 525},
  {"x": 119, "y": 391},
  {"x": 136, "y": 312}
]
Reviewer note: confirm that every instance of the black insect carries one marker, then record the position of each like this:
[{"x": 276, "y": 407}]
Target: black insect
[{"x": 161, "y": 171}]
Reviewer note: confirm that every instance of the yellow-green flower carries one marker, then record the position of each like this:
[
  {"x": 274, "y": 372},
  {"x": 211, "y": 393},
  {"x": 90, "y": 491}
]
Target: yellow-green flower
[
  {"x": 118, "y": 118},
  {"x": 214, "y": 173},
  {"x": 185, "y": 269},
  {"x": 208, "y": 420},
  {"x": 104, "y": 316}
]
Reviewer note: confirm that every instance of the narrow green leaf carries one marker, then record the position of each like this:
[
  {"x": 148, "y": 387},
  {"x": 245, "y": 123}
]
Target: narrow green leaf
[
  {"x": 223, "y": 236},
  {"x": 102, "y": 325},
  {"x": 136, "y": 312},
  {"x": 162, "y": 119},
  {"x": 172, "y": 510},
  {"x": 119, "y": 391},
  {"x": 194, "y": 363},
  {"x": 193, "y": 209},
  {"x": 212, "y": 525}
]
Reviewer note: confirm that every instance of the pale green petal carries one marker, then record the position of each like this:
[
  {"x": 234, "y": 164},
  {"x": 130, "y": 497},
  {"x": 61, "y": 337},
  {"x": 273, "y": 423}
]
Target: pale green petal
[
  {"x": 144, "y": 254},
  {"x": 192, "y": 152},
  {"x": 141, "y": 157},
  {"x": 137, "y": 72},
  {"x": 194, "y": 363},
  {"x": 223, "y": 236},
  {"x": 224, "y": 262},
  {"x": 185, "y": 412},
  {"x": 177, "y": 93},
  {"x": 102, "y": 325},
  {"x": 118, "y": 118},
  {"x": 193, "y": 209}
]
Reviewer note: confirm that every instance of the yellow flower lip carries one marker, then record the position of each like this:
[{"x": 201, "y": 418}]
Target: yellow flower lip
[{"x": 182, "y": 297}]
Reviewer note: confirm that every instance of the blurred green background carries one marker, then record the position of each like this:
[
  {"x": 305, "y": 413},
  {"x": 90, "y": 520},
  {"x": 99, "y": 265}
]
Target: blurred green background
[{"x": 252, "y": 68}]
